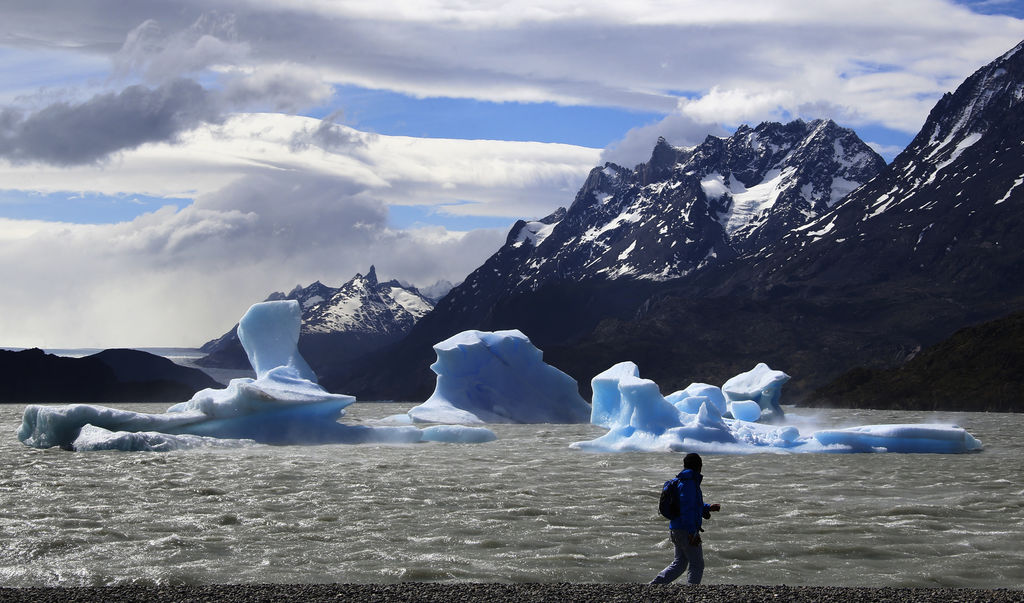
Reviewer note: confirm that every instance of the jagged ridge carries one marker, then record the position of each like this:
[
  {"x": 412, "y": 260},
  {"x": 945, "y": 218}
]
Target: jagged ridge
[{"x": 337, "y": 323}]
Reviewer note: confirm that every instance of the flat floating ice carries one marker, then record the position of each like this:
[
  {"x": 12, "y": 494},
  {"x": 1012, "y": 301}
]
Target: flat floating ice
[
  {"x": 638, "y": 418},
  {"x": 921, "y": 437},
  {"x": 283, "y": 405}
]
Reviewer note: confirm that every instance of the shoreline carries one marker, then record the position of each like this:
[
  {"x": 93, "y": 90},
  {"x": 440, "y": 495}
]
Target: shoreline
[{"x": 457, "y": 592}]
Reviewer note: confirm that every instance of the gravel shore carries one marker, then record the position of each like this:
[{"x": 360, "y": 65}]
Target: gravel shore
[{"x": 456, "y": 593}]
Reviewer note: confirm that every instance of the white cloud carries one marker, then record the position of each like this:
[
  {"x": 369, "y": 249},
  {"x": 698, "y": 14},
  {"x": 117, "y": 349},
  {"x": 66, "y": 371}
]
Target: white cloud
[
  {"x": 678, "y": 129},
  {"x": 182, "y": 277},
  {"x": 500, "y": 178},
  {"x": 266, "y": 216}
]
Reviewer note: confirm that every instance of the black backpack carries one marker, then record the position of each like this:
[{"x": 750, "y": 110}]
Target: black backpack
[{"x": 668, "y": 505}]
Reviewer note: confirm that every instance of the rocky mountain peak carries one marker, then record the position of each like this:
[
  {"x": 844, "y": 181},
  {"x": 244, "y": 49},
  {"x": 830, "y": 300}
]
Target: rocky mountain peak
[{"x": 363, "y": 307}]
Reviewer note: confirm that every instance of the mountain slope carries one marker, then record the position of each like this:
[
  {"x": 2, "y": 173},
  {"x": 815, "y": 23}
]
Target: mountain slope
[{"x": 947, "y": 210}]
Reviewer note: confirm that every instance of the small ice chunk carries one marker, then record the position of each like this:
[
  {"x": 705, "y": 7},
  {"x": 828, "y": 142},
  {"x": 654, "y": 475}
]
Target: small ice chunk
[
  {"x": 458, "y": 434},
  {"x": 745, "y": 410},
  {"x": 701, "y": 390},
  {"x": 691, "y": 404},
  {"x": 92, "y": 438}
]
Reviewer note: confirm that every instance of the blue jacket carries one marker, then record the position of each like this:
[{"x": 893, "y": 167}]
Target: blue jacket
[{"x": 691, "y": 503}]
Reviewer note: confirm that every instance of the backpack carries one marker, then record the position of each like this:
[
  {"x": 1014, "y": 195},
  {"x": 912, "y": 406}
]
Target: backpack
[{"x": 668, "y": 505}]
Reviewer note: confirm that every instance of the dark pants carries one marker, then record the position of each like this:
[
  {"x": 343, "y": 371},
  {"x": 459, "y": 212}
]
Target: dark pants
[{"x": 686, "y": 555}]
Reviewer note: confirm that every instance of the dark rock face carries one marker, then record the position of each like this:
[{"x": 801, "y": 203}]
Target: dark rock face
[
  {"x": 337, "y": 323},
  {"x": 32, "y": 376},
  {"x": 979, "y": 367}
]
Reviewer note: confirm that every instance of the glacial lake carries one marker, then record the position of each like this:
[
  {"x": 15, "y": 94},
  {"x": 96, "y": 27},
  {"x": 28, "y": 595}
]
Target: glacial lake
[{"x": 525, "y": 508}]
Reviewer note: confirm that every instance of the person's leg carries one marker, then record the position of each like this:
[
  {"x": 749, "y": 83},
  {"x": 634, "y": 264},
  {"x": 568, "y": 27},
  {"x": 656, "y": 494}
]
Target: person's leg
[
  {"x": 678, "y": 565},
  {"x": 695, "y": 555}
]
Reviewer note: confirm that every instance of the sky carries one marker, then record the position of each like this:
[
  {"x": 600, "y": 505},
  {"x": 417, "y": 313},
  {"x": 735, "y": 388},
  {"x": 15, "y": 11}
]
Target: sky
[{"x": 163, "y": 165}]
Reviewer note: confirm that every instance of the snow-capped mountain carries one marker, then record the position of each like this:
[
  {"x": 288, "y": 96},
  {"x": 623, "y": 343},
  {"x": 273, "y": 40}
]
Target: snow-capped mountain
[
  {"x": 684, "y": 210},
  {"x": 360, "y": 315},
  {"x": 363, "y": 305}
]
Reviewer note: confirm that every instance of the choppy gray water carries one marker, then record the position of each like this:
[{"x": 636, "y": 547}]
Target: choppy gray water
[{"x": 525, "y": 508}]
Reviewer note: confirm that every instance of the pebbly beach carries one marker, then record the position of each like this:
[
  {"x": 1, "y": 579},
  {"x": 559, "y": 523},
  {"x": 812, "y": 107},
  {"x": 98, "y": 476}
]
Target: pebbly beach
[{"x": 472, "y": 592}]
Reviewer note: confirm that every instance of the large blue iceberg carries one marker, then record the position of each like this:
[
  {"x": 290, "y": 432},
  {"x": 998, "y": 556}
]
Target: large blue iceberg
[
  {"x": 704, "y": 418},
  {"x": 498, "y": 377},
  {"x": 282, "y": 405}
]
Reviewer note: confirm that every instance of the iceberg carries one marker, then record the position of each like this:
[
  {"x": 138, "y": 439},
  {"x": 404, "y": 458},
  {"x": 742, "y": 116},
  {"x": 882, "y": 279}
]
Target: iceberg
[
  {"x": 761, "y": 385},
  {"x": 731, "y": 420},
  {"x": 283, "y": 405},
  {"x": 498, "y": 377}
]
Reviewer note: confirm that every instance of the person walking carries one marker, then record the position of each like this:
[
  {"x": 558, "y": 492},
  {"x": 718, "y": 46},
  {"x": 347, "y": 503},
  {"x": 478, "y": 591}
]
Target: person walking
[{"x": 685, "y": 529}]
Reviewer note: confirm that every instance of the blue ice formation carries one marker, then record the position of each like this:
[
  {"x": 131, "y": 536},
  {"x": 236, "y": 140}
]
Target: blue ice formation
[
  {"x": 638, "y": 418},
  {"x": 761, "y": 385},
  {"x": 498, "y": 377},
  {"x": 282, "y": 405}
]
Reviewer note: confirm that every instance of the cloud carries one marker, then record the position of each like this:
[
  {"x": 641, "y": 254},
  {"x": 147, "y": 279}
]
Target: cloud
[
  {"x": 678, "y": 129},
  {"x": 470, "y": 177},
  {"x": 182, "y": 277},
  {"x": 68, "y": 134},
  {"x": 746, "y": 59},
  {"x": 266, "y": 216},
  {"x": 159, "y": 55},
  {"x": 328, "y": 136},
  {"x": 281, "y": 87},
  {"x": 737, "y": 106}
]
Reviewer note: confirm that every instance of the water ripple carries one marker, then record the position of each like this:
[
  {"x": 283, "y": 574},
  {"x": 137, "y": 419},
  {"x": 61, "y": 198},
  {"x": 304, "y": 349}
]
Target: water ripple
[{"x": 524, "y": 508}]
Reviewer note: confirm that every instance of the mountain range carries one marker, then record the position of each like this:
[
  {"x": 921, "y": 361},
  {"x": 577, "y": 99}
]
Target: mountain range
[
  {"x": 338, "y": 323},
  {"x": 792, "y": 244}
]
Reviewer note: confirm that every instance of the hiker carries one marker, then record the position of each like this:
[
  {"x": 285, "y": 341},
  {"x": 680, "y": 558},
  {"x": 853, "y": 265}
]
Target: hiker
[{"x": 685, "y": 529}]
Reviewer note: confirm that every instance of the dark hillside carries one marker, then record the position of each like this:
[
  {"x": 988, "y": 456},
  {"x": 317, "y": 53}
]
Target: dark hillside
[
  {"x": 979, "y": 368},
  {"x": 33, "y": 376}
]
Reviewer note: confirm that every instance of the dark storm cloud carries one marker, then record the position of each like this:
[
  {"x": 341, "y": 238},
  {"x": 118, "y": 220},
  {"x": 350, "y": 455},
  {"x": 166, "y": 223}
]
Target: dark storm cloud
[{"x": 70, "y": 134}]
